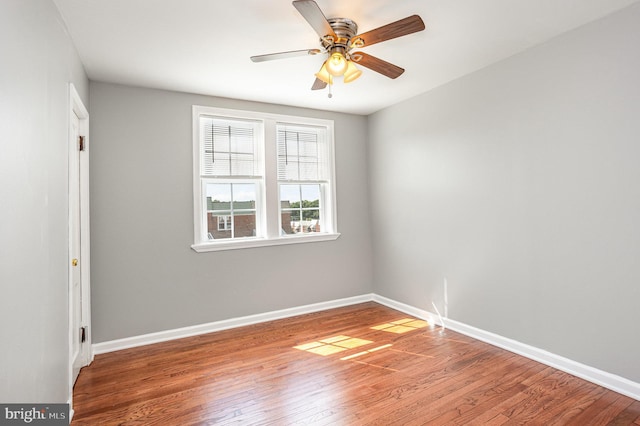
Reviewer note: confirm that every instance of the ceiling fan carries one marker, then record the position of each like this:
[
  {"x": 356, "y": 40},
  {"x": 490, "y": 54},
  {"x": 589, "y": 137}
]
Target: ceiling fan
[{"x": 338, "y": 37}]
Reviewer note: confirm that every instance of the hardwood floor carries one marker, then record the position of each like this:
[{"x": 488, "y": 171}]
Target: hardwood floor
[{"x": 357, "y": 365}]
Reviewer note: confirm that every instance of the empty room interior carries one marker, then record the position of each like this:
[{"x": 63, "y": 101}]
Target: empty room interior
[{"x": 321, "y": 212}]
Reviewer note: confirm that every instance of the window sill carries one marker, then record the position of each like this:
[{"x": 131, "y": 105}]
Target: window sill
[{"x": 262, "y": 242}]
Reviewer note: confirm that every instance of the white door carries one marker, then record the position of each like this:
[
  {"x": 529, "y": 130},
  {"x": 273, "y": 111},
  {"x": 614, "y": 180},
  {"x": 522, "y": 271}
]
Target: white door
[{"x": 75, "y": 261}]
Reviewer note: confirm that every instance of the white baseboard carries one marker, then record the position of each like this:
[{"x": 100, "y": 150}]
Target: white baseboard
[
  {"x": 178, "y": 333},
  {"x": 591, "y": 374},
  {"x": 71, "y": 410},
  {"x": 594, "y": 375}
]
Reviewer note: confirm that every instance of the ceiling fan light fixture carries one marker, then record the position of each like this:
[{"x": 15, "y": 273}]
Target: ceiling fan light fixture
[
  {"x": 352, "y": 73},
  {"x": 338, "y": 37},
  {"x": 337, "y": 62},
  {"x": 324, "y": 75}
]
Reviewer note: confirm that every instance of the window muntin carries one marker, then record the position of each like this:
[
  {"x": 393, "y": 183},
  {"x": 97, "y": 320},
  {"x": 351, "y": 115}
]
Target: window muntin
[
  {"x": 300, "y": 210},
  {"x": 231, "y": 210},
  {"x": 275, "y": 156}
]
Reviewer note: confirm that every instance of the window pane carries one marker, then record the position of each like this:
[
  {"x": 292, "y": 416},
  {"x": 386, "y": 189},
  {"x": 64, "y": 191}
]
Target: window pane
[
  {"x": 289, "y": 200},
  {"x": 309, "y": 148},
  {"x": 311, "y": 220},
  {"x": 244, "y": 224},
  {"x": 218, "y": 225},
  {"x": 290, "y": 194},
  {"x": 218, "y": 196},
  {"x": 231, "y": 210},
  {"x": 311, "y": 193},
  {"x": 220, "y": 138},
  {"x": 286, "y": 219},
  {"x": 308, "y": 170},
  {"x": 291, "y": 146},
  {"x": 242, "y": 142},
  {"x": 245, "y": 192},
  {"x": 300, "y": 153},
  {"x": 229, "y": 147},
  {"x": 300, "y": 208},
  {"x": 220, "y": 164},
  {"x": 287, "y": 169}
]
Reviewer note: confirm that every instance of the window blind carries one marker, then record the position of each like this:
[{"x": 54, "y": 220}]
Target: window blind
[
  {"x": 229, "y": 148},
  {"x": 301, "y": 154}
]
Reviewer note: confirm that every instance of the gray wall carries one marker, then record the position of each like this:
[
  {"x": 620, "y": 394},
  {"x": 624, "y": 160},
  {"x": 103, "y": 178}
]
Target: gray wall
[
  {"x": 520, "y": 185},
  {"x": 145, "y": 276},
  {"x": 38, "y": 62}
]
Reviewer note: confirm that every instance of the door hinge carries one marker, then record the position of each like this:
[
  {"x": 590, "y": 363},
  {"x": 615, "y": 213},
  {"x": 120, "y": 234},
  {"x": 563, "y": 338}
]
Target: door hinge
[
  {"x": 81, "y": 143},
  {"x": 83, "y": 334}
]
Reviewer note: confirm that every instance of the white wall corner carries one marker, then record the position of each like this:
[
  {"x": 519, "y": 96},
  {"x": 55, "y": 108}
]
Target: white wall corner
[{"x": 591, "y": 374}]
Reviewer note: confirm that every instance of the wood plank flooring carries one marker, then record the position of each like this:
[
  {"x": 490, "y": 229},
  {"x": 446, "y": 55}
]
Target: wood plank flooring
[{"x": 359, "y": 365}]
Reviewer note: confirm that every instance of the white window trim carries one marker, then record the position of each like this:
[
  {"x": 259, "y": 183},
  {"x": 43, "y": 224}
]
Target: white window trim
[{"x": 270, "y": 214}]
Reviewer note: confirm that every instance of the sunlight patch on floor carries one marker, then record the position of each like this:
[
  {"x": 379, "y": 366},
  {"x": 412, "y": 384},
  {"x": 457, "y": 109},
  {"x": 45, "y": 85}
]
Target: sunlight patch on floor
[
  {"x": 401, "y": 326},
  {"x": 332, "y": 345},
  {"x": 366, "y": 352}
]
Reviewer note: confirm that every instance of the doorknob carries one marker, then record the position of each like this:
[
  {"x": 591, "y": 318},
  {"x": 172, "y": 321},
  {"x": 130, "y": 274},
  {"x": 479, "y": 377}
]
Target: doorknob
[{"x": 74, "y": 262}]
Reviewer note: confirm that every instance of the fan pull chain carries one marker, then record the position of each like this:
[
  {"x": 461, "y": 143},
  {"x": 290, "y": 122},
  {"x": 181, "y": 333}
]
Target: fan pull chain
[{"x": 330, "y": 95}]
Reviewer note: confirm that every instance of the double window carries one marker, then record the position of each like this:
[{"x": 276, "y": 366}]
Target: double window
[{"x": 261, "y": 179}]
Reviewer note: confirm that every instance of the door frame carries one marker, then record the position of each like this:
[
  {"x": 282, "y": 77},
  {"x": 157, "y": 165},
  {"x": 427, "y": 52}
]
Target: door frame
[{"x": 77, "y": 108}]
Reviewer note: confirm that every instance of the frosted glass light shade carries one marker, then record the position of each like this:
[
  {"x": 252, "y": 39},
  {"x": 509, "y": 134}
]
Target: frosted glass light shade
[
  {"x": 324, "y": 75},
  {"x": 352, "y": 72},
  {"x": 336, "y": 64}
]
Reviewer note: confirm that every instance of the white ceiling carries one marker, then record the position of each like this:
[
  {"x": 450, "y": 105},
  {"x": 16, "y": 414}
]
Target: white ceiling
[{"x": 203, "y": 46}]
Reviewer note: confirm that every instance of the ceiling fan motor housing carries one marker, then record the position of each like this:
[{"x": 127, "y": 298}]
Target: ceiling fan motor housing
[{"x": 345, "y": 29}]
